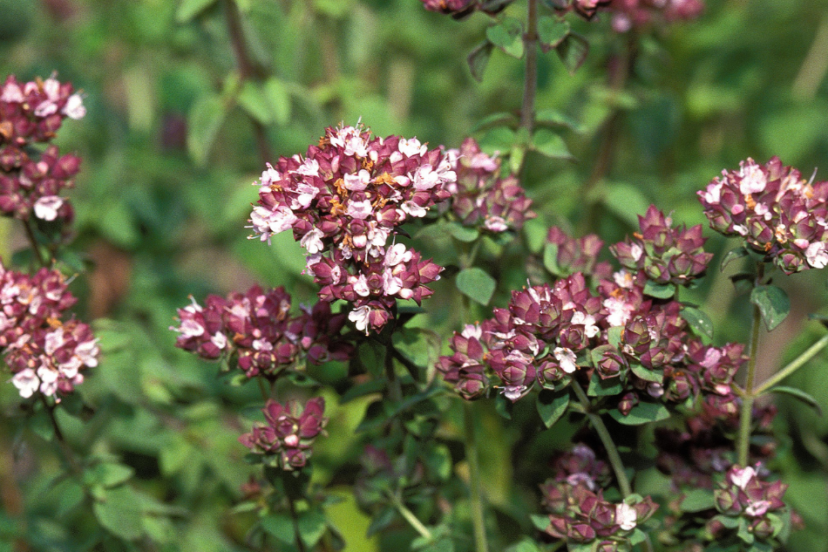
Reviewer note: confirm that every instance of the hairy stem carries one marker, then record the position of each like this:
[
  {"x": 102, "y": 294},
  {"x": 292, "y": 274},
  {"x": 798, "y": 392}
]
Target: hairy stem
[
  {"x": 530, "y": 83},
  {"x": 793, "y": 366},
  {"x": 606, "y": 439},
  {"x": 478, "y": 519},
  {"x": 743, "y": 443}
]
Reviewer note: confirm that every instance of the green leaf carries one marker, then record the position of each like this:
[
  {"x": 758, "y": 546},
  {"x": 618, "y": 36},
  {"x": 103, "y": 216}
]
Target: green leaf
[
  {"x": 203, "y": 123},
  {"x": 552, "y": 31},
  {"x": 642, "y": 413},
  {"x": 502, "y": 118},
  {"x": 107, "y": 474},
  {"x": 614, "y": 336},
  {"x": 252, "y": 100},
  {"x": 119, "y": 512},
  {"x": 773, "y": 303},
  {"x": 503, "y": 406},
  {"x": 508, "y": 36},
  {"x": 660, "y": 291},
  {"x": 647, "y": 374},
  {"x": 278, "y": 99},
  {"x": 573, "y": 51},
  {"x": 733, "y": 255},
  {"x": 279, "y": 526},
  {"x": 462, "y": 233},
  {"x": 41, "y": 425},
  {"x": 188, "y": 9},
  {"x": 541, "y": 523},
  {"x": 554, "y": 117},
  {"x": 478, "y": 59},
  {"x": 549, "y": 144},
  {"x": 312, "y": 525},
  {"x": 798, "y": 394},
  {"x": 698, "y": 500},
  {"x": 625, "y": 201},
  {"x": 525, "y": 545},
  {"x": 599, "y": 387},
  {"x": 551, "y": 406},
  {"x": 744, "y": 532},
  {"x": 550, "y": 260},
  {"x": 476, "y": 284},
  {"x": 698, "y": 320}
]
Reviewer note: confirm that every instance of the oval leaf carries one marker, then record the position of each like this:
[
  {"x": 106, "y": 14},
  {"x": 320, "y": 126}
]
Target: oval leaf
[
  {"x": 773, "y": 303},
  {"x": 732, "y": 255},
  {"x": 476, "y": 284},
  {"x": 699, "y": 321},
  {"x": 188, "y": 9},
  {"x": 642, "y": 413},
  {"x": 573, "y": 51},
  {"x": 549, "y": 144},
  {"x": 798, "y": 394},
  {"x": 119, "y": 512},
  {"x": 660, "y": 291},
  {"x": 551, "y": 406},
  {"x": 478, "y": 59},
  {"x": 698, "y": 500},
  {"x": 508, "y": 36},
  {"x": 551, "y": 32},
  {"x": 203, "y": 124}
]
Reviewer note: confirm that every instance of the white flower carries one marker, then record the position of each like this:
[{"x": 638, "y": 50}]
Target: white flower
[
  {"x": 46, "y": 208},
  {"x": 566, "y": 358},
  {"x": 191, "y": 328},
  {"x": 753, "y": 178},
  {"x": 425, "y": 178},
  {"x": 12, "y": 94},
  {"x": 360, "y": 318},
  {"x": 636, "y": 251},
  {"x": 310, "y": 167},
  {"x": 54, "y": 340},
  {"x": 357, "y": 182},
  {"x": 397, "y": 254},
  {"x": 360, "y": 210},
  {"x": 305, "y": 196},
  {"x": 411, "y": 147},
  {"x": 713, "y": 193},
  {"x": 513, "y": 392},
  {"x": 742, "y": 476},
  {"x": 391, "y": 285},
  {"x": 74, "y": 108},
  {"x": 361, "y": 286},
  {"x": 48, "y": 380},
  {"x": 625, "y": 516},
  {"x": 26, "y": 382},
  {"x": 312, "y": 241},
  {"x": 495, "y": 224},
  {"x": 816, "y": 255},
  {"x": 219, "y": 340},
  {"x": 472, "y": 331},
  {"x": 411, "y": 208},
  {"x": 588, "y": 321},
  {"x": 619, "y": 311}
]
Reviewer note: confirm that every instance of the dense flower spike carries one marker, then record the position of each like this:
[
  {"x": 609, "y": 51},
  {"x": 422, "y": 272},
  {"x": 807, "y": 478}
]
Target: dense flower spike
[
  {"x": 666, "y": 255},
  {"x": 775, "y": 210},
  {"x": 44, "y": 353},
  {"x": 256, "y": 330},
  {"x": 578, "y": 511},
  {"x": 344, "y": 202},
  {"x": 31, "y": 181},
  {"x": 289, "y": 432},
  {"x": 744, "y": 494},
  {"x": 480, "y": 197}
]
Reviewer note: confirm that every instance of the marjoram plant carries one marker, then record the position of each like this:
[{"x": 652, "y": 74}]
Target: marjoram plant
[{"x": 599, "y": 341}]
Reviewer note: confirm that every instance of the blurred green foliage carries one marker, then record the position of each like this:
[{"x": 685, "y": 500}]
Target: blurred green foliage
[{"x": 175, "y": 134}]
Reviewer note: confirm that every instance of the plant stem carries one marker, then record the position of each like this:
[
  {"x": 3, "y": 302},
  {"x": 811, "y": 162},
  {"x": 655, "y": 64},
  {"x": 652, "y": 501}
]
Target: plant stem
[
  {"x": 530, "y": 83},
  {"x": 743, "y": 443},
  {"x": 300, "y": 546},
  {"x": 411, "y": 518},
  {"x": 793, "y": 366},
  {"x": 606, "y": 439},
  {"x": 265, "y": 394},
  {"x": 33, "y": 241},
  {"x": 247, "y": 69},
  {"x": 478, "y": 519},
  {"x": 65, "y": 449}
]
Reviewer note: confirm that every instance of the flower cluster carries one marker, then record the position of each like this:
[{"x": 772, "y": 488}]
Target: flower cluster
[
  {"x": 616, "y": 337},
  {"x": 572, "y": 255},
  {"x": 666, "y": 255},
  {"x": 344, "y": 202},
  {"x": 480, "y": 197},
  {"x": 45, "y": 353},
  {"x": 637, "y": 14},
  {"x": 257, "y": 330},
  {"x": 459, "y": 9},
  {"x": 31, "y": 181},
  {"x": 776, "y": 211},
  {"x": 578, "y": 511},
  {"x": 289, "y": 432},
  {"x": 744, "y": 494},
  {"x": 693, "y": 456}
]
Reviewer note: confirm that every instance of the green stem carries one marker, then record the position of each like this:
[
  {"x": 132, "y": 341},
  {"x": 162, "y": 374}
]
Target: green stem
[
  {"x": 65, "y": 449},
  {"x": 530, "y": 83},
  {"x": 793, "y": 366},
  {"x": 394, "y": 385},
  {"x": 743, "y": 443},
  {"x": 300, "y": 546},
  {"x": 33, "y": 241},
  {"x": 265, "y": 394},
  {"x": 411, "y": 518},
  {"x": 606, "y": 439},
  {"x": 478, "y": 519}
]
